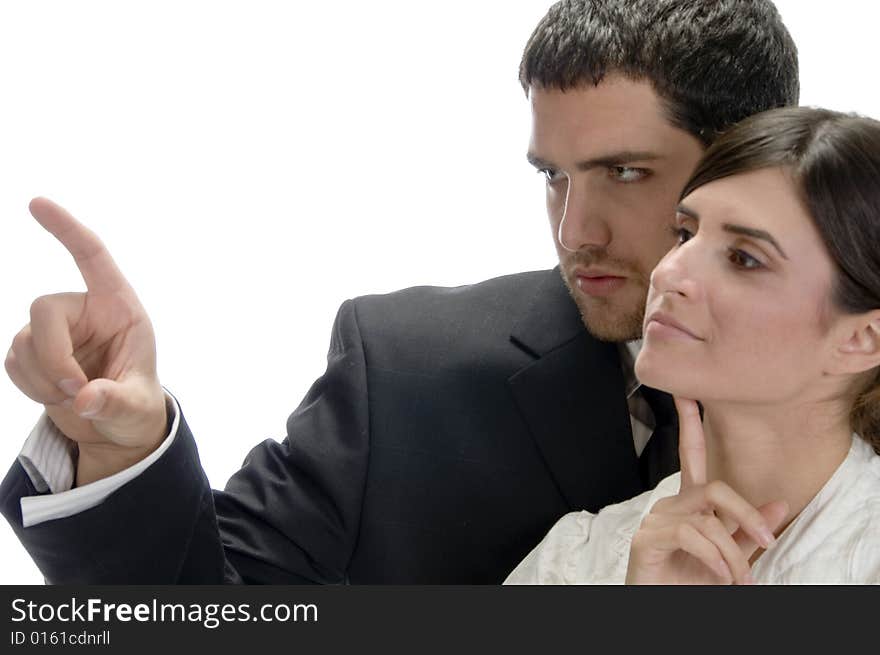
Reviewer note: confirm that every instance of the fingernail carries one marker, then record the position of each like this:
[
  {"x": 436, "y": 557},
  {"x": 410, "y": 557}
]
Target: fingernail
[
  {"x": 70, "y": 387},
  {"x": 68, "y": 403},
  {"x": 767, "y": 538},
  {"x": 93, "y": 407}
]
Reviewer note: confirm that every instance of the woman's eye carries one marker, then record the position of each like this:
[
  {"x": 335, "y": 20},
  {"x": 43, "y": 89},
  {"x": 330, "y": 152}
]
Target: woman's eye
[
  {"x": 742, "y": 259},
  {"x": 627, "y": 173}
]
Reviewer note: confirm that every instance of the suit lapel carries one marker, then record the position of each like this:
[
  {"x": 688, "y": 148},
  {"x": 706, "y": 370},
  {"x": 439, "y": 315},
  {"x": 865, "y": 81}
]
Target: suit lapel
[{"x": 572, "y": 399}]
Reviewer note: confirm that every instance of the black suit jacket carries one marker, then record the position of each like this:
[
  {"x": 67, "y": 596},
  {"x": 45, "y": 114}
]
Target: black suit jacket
[{"x": 451, "y": 429}]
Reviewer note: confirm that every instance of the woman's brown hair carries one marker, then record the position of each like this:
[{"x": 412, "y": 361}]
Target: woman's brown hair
[{"x": 834, "y": 159}]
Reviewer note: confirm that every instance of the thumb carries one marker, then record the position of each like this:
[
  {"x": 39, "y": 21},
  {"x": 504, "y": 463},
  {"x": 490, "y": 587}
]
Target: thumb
[
  {"x": 107, "y": 400},
  {"x": 129, "y": 413},
  {"x": 774, "y": 513}
]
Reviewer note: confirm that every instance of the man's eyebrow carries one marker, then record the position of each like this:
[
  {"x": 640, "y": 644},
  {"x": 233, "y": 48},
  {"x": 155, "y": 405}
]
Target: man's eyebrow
[
  {"x": 738, "y": 229},
  {"x": 620, "y": 158}
]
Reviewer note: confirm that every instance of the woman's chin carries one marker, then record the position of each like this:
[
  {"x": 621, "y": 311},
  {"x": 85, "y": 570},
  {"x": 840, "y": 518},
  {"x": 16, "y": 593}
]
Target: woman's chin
[{"x": 657, "y": 374}]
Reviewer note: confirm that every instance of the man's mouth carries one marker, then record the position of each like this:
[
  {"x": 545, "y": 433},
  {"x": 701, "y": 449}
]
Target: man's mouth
[{"x": 597, "y": 282}]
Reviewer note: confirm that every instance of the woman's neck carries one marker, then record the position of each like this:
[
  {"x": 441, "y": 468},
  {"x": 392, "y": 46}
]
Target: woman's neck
[{"x": 775, "y": 453}]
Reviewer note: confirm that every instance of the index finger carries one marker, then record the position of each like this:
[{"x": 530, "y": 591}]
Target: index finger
[
  {"x": 691, "y": 443},
  {"x": 92, "y": 259}
]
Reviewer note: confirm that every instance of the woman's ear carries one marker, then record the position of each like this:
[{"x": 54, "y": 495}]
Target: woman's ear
[{"x": 858, "y": 348}]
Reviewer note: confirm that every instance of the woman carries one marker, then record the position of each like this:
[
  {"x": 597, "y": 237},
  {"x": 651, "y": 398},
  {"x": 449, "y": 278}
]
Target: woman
[{"x": 767, "y": 311}]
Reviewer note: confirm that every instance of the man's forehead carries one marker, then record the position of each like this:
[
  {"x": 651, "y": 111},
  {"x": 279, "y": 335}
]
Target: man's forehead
[
  {"x": 601, "y": 143},
  {"x": 614, "y": 118}
]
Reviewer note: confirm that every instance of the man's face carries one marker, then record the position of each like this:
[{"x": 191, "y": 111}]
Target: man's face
[{"x": 615, "y": 168}]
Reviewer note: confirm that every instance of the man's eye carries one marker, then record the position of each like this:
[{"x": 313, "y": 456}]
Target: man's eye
[
  {"x": 681, "y": 234},
  {"x": 551, "y": 174},
  {"x": 627, "y": 173}
]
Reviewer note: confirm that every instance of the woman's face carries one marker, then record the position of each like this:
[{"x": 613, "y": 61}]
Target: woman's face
[{"x": 740, "y": 310}]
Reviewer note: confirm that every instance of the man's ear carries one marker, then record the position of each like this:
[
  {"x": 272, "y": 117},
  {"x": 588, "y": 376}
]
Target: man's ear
[{"x": 858, "y": 348}]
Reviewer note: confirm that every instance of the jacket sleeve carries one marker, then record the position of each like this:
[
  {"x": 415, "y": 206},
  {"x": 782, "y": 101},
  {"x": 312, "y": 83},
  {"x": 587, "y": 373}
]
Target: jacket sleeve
[{"x": 289, "y": 515}]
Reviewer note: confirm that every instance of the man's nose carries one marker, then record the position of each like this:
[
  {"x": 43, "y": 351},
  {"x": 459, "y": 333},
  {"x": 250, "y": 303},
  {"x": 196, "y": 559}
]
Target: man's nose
[{"x": 583, "y": 224}]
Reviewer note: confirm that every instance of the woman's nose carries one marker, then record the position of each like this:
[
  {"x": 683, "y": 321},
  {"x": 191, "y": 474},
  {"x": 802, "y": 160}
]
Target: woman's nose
[{"x": 678, "y": 272}]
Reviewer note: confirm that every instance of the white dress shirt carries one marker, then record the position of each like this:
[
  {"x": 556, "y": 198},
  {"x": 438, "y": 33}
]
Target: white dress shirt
[
  {"x": 48, "y": 459},
  {"x": 834, "y": 540}
]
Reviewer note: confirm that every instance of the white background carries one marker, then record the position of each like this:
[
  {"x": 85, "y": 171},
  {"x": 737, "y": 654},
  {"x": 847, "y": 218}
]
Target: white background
[{"x": 251, "y": 165}]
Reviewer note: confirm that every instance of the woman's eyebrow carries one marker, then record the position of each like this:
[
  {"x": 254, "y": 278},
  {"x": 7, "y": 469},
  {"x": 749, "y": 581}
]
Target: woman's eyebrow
[
  {"x": 738, "y": 229},
  {"x": 753, "y": 232}
]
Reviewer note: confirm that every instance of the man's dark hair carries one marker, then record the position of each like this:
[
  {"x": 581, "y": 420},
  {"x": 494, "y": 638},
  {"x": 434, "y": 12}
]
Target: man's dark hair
[
  {"x": 713, "y": 62},
  {"x": 834, "y": 160}
]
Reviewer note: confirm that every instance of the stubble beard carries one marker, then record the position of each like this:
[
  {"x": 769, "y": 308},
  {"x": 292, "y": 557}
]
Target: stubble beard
[{"x": 609, "y": 319}]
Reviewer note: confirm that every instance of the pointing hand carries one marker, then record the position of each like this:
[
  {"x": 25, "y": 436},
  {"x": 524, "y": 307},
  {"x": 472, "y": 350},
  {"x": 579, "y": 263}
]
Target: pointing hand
[
  {"x": 708, "y": 532},
  {"x": 90, "y": 358}
]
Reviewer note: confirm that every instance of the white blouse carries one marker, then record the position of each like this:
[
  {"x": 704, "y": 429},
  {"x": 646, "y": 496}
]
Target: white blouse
[{"x": 834, "y": 540}]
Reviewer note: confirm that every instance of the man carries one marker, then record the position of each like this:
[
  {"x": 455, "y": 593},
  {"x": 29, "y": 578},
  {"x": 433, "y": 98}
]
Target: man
[{"x": 453, "y": 426}]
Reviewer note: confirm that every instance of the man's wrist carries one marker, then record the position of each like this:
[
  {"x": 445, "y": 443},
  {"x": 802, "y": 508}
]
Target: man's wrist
[
  {"x": 49, "y": 457},
  {"x": 98, "y": 461}
]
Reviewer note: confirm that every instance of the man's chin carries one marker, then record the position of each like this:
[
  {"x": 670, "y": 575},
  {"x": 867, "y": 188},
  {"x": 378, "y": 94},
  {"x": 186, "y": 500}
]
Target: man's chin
[
  {"x": 608, "y": 322},
  {"x": 625, "y": 329},
  {"x": 614, "y": 318}
]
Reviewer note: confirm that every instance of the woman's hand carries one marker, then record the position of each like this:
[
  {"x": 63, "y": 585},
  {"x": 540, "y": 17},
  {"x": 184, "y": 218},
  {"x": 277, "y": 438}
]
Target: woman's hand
[{"x": 707, "y": 533}]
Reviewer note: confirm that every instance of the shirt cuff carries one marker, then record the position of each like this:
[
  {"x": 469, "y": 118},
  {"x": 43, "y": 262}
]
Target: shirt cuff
[{"x": 48, "y": 459}]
